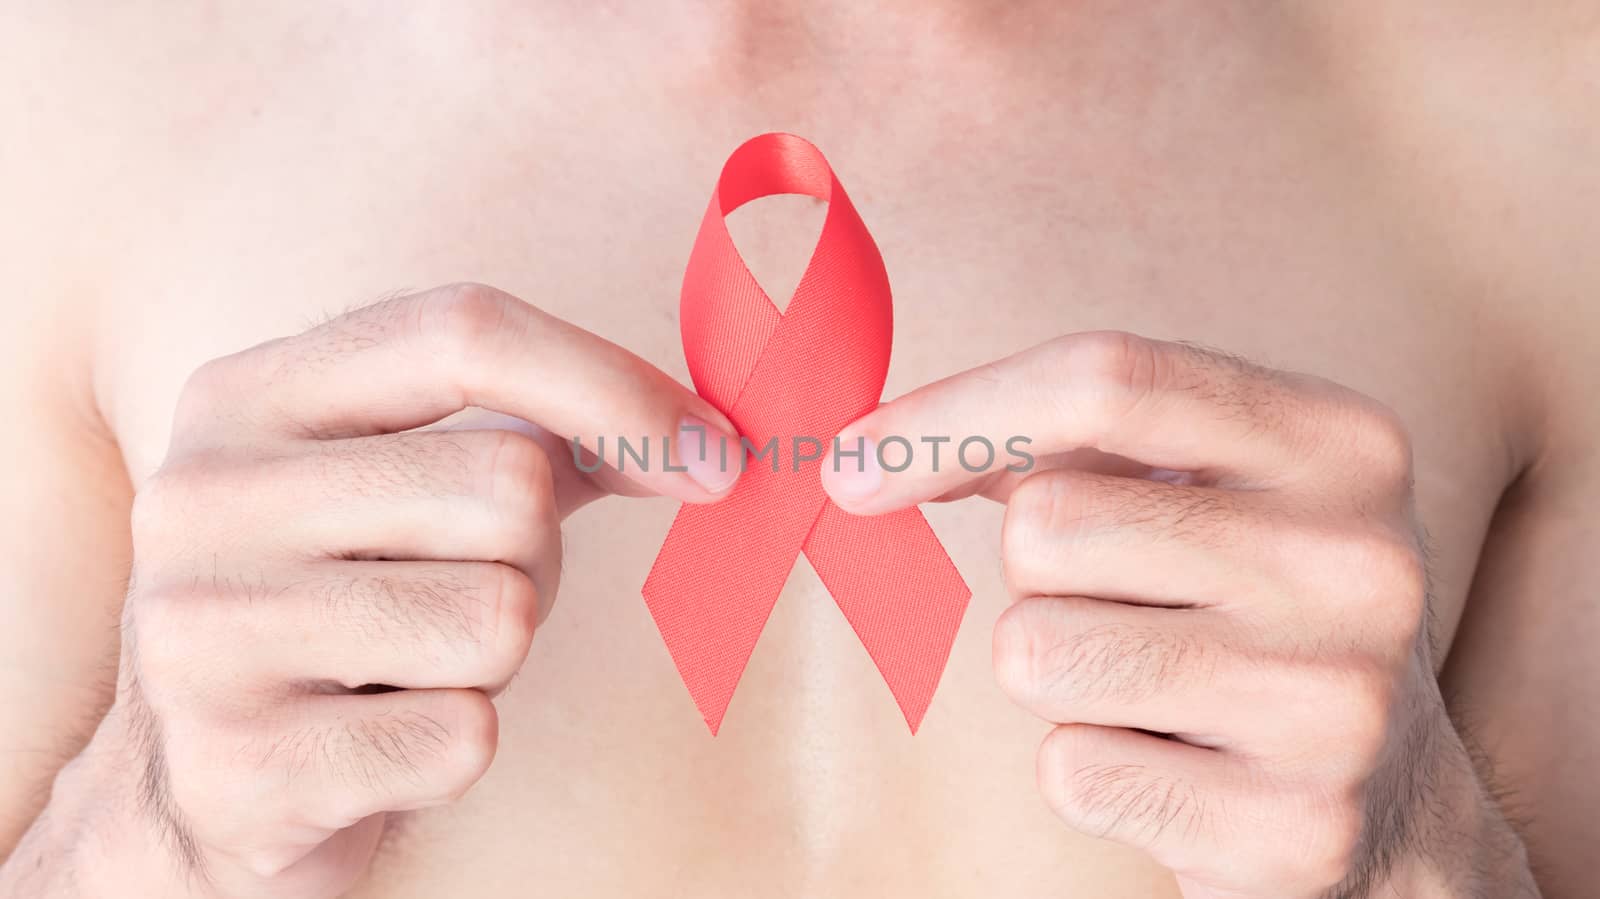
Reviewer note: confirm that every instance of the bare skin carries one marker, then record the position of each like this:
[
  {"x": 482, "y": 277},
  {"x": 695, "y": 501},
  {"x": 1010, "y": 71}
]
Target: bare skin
[{"x": 1391, "y": 201}]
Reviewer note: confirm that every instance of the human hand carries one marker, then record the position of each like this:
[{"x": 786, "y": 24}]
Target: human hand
[
  {"x": 1220, "y": 601},
  {"x": 324, "y": 601}
]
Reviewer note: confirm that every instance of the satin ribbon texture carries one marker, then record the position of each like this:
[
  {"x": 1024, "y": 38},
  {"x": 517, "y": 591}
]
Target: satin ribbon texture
[{"x": 806, "y": 371}]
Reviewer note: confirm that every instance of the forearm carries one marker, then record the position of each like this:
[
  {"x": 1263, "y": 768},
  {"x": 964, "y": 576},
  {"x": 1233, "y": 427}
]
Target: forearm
[
  {"x": 64, "y": 562},
  {"x": 91, "y": 839},
  {"x": 46, "y": 719}
]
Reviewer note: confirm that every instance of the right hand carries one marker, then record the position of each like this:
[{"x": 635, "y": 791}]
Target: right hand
[{"x": 324, "y": 602}]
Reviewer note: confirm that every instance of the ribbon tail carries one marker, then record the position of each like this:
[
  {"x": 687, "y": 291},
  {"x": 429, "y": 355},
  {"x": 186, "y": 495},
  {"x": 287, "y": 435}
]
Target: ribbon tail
[
  {"x": 717, "y": 578},
  {"x": 899, "y": 590}
]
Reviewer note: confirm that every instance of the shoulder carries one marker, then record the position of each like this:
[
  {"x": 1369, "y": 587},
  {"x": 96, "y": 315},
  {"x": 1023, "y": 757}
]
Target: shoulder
[
  {"x": 1490, "y": 128},
  {"x": 110, "y": 113}
]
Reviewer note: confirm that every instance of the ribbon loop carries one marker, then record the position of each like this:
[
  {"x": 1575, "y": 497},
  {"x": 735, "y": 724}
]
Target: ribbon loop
[{"x": 804, "y": 372}]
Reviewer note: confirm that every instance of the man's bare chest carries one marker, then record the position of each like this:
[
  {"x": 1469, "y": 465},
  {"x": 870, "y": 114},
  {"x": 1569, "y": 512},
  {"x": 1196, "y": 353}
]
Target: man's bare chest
[
  {"x": 1012, "y": 203},
  {"x": 1215, "y": 215}
]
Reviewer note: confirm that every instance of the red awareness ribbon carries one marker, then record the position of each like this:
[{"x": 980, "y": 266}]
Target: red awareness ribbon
[{"x": 806, "y": 371}]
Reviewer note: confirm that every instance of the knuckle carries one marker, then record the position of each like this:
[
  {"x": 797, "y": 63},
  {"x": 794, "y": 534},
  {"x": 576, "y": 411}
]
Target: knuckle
[
  {"x": 1351, "y": 710},
  {"x": 1013, "y": 654},
  {"x": 1403, "y": 570},
  {"x": 1117, "y": 370},
  {"x": 1382, "y": 442},
  {"x": 1042, "y": 512},
  {"x": 208, "y": 388},
  {"x": 161, "y": 621},
  {"x": 170, "y": 498},
  {"x": 457, "y": 320},
  {"x": 516, "y": 606},
  {"x": 185, "y": 656},
  {"x": 208, "y": 783},
  {"x": 472, "y": 749},
  {"x": 1404, "y": 577},
  {"x": 1021, "y": 533},
  {"x": 1368, "y": 710},
  {"x": 1061, "y": 756},
  {"x": 1039, "y": 504},
  {"x": 1372, "y": 571},
  {"x": 156, "y": 503},
  {"x": 188, "y": 500},
  {"x": 518, "y": 600},
  {"x": 521, "y": 482},
  {"x": 1386, "y": 575}
]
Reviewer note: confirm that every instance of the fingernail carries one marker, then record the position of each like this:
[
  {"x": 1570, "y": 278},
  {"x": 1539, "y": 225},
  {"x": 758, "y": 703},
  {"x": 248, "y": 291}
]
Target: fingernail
[
  {"x": 852, "y": 472},
  {"x": 710, "y": 454}
]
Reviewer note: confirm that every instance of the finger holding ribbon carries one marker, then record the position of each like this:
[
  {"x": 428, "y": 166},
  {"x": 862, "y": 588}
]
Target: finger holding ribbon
[{"x": 1232, "y": 645}]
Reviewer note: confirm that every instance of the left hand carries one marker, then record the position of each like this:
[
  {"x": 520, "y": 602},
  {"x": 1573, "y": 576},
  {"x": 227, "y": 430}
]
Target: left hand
[{"x": 1220, "y": 601}]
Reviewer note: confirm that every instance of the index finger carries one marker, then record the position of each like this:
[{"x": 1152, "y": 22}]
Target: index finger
[
  {"x": 413, "y": 360},
  {"x": 1165, "y": 405}
]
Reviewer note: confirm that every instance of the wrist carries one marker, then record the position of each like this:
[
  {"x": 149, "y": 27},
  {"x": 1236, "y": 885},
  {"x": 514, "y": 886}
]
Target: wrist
[
  {"x": 1486, "y": 865},
  {"x": 1462, "y": 846},
  {"x": 93, "y": 838}
]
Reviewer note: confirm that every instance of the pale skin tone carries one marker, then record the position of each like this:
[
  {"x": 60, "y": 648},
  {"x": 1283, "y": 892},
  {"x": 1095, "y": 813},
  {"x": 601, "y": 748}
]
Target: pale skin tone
[{"x": 1224, "y": 553}]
